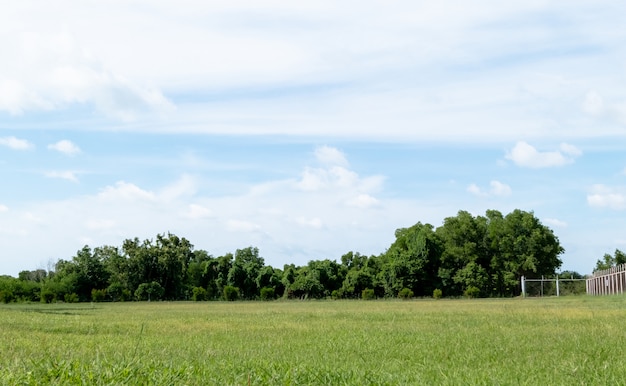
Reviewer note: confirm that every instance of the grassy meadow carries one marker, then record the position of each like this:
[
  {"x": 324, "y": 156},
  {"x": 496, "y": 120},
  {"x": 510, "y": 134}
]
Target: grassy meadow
[{"x": 556, "y": 341}]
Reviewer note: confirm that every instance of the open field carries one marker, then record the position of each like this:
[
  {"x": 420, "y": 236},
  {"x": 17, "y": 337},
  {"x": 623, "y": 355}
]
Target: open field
[{"x": 568, "y": 340}]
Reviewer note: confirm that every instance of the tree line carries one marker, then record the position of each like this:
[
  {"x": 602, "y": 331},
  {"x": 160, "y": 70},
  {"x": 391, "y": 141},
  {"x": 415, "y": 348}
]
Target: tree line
[{"x": 475, "y": 256}]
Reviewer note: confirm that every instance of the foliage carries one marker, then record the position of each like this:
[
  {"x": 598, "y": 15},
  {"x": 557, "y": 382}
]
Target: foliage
[
  {"x": 149, "y": 291},
  {"x": 231, "y": 293},
  {"x": 47, "y": 296},
  {"x": 98, "y": 295},
  {"x": 268, "y": 293},
  {"x": 70, "y": 298},
  {"x": 405, "y": 293},
  {"x": 368, "y": 294},
  {"x": 199, "y": 294},
  {"x": 471, "y": 292},
  {"x": 609, "y": 261},
  {"x": 437, "y": 293},
  {"x": 488, "y": 253}
]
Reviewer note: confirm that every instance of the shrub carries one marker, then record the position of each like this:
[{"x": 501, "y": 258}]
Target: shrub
[
  {"x": 471, "y": 292},
  {"x": 231, "y": 293},
  {"x": 336, "y": 294},
  {"x": 98, "y": 295},
  {"x": 268, "y": 293},
  {"x": 149, "y": 291},
  {"x": 6, "y": 296},
  {"x": 368, "y": 294},
  {"x": 70, "y": 298},
  {"x": 198, "y": 294},
  {"x": 47, "y": 296},
  {"x": 437, "y": 294},
  {"x": 405, "y": 293}
]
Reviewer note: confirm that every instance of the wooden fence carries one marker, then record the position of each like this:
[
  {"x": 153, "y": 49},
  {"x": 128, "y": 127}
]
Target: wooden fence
[{"x": 610, "y": 281}]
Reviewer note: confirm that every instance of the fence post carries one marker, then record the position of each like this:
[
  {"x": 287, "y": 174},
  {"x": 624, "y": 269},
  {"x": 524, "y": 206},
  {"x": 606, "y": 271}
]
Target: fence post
[
  {"x": 557, "y": 286},
  {"x": 523, "y": 287}
]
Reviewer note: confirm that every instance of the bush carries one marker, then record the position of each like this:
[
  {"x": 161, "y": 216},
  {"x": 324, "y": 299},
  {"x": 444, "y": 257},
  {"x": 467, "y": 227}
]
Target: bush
[
  {"x": 47, "y": 296},
  {"x": 231, "y": 293},
  {"x": 405, "y": 293},
  {"x": 70, "y": 298},
  {"x": 98, "y": 295},
  {"x": 336, "y": 294},
  {"x": 149, "y": 291},
  {"x": 6, "y": 296},
  {"x": 437, "y": 294},
  {"x": 471, "y": 292},
  {"x": 198, "y": 294},
  {"x": 268, "y": 293},
  {"x": 368, "y": 294}
]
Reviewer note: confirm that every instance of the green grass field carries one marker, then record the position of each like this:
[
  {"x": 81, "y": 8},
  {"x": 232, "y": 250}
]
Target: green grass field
[{"x": 555, "y": 341}]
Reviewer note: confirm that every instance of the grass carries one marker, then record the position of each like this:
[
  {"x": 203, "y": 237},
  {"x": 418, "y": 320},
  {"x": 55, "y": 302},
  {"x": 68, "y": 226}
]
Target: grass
[{"x": 556, "y": 341}]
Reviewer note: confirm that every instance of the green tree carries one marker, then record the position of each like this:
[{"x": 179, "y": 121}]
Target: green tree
[
  {"x": 609, "y": 261},
  {"x": 245, "y": 271}
]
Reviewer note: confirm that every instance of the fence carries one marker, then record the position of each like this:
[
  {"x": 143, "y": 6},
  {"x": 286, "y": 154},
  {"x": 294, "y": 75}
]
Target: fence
[
  {"x": 554, "y": 286},
  {"x": 610, "y": 281}
]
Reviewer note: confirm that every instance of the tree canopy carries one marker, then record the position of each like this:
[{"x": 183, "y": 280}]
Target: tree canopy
[{"x": 478, "y": 255}]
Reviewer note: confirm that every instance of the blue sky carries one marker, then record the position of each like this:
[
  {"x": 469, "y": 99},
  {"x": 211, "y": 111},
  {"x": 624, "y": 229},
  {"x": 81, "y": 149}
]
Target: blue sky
[{"x": 307, "y": 129}]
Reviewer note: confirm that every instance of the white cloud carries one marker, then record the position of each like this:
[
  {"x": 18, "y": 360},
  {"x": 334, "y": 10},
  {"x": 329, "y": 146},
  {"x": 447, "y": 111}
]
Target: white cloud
[
  {"x": 65, "y": 175},
  {"x": 184, "y": 186},
  {"x": 331, "y": 156},
  {"x": 65, "y": 146},
  {"x": 99, "y": 225},
  {"x": 56, "y": 70},
  {"x": 363, "y": 201},
  {"x": 126, "y": 191},
  {"x": 15, "y": 143},
  {"x": 3, "y": 208},
  {"x": 241, "y": 226},
  {"x": 496, "y": 189},
  {"x": 555, "y": 222},
  {"x": 602, "y": 196},
  {"x": 315, "y": 222},
  {"x": 195, "y": 211},
  {"x": 593, "y": 103},
  {"x": 525, "y": 155}
]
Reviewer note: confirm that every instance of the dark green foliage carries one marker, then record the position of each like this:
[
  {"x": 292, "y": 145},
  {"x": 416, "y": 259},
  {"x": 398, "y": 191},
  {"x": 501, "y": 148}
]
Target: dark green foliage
[
  {"x": 231, "y": 293},
  {"x": 199, "y": 294},
  {"x": 486, "y": 254},
  {"x": 98, "y": 295},
  {"x": 472, "y": 292},
  {"x": 47, "y": 296},
  {"x": 405, "y": 293},
  {"x": 6, "y": 296},
  {"x": 437, "y": 293},
  {"x": 268, "y": 293},
  {"x": 70, "y": 298},
  {"x": 368, "y": 294},
  {"x": 149, "y": 291},
  {"x": 609, "y": 261}
]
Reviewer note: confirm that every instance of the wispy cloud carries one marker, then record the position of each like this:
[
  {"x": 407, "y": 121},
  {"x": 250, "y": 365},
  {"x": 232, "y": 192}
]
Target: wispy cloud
[
  {"x": 65, "y": 175},
  {"x": 525, "y": 155},
  {"x": 496, "y": 189},
  {"x": 602, "y": 196},
  {"x": 65, "y": 146},
  {"x": 553, "y": 222},
  {"x": 16, "y": 143}
]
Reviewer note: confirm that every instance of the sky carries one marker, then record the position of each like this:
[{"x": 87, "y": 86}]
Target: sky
[{"x": 307, "y": 129}]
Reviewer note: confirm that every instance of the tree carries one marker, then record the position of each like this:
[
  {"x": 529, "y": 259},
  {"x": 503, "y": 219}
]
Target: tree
[
  {"x": 412, "y": 261},
  {"x": 245, "y": 271},
  {"x": 609, "y": 261}
]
